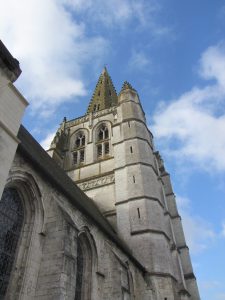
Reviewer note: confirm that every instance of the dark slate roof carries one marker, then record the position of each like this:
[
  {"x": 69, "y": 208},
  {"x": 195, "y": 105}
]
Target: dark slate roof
[
  {"x": 43, "y": 163},
  {"x": 9, "y": 61}
]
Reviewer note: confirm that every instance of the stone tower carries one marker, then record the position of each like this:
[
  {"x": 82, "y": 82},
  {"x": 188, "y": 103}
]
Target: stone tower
[{"x": 110, "y": 155}]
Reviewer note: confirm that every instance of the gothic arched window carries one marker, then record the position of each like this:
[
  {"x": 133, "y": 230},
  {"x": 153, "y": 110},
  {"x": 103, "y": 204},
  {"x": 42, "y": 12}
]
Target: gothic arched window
[
  {"x": 80, "y": 140},
  {"x": 11, "y": 221},
  {"x": 84, "y": 268},
  {"x": 79, "y": 148},
  {"x": 80, "y": 272},
  {"x": 103, "y": 142}
]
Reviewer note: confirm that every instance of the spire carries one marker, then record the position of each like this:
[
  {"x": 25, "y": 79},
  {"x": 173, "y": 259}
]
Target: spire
[{"x": 104, "y": 95}]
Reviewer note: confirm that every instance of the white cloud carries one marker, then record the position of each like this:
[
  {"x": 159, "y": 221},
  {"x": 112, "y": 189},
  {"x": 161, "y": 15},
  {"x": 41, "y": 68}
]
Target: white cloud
[
  {"x": 139, "y": 60},
  {"x": 53, "y": 43},
  {"x": 213, "y": 64},
  {"x": 223, "y": 229},
  {"x": 192, "y": 127},
  {"x": 199, "y": 234},
  {"x": 45, "y": 143},
  {"x": 115, "y": 12},
  {"x": 51, "y": 47}
]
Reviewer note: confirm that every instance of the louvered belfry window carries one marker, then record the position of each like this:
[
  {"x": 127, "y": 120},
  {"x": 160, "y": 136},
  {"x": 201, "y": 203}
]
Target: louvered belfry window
[
  {"x": 78, "y": 154},
  {"x": 103, "y": 149},
  {"x": 11, "y": 221}
]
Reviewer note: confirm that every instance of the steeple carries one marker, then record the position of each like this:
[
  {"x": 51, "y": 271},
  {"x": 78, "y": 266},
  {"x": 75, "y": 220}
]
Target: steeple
[{"x": 104, "y": 95}]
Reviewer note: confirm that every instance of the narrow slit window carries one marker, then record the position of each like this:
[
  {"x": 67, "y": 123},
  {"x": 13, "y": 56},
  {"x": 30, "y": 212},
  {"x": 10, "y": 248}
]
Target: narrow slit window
[
  {"x": 134, "y": 179},
  {"x": 98, "y": 106},
  {"x": 138, "y": 211},
  {"x": 128, "y": 123},
  {"x": 131, "y": 149}
]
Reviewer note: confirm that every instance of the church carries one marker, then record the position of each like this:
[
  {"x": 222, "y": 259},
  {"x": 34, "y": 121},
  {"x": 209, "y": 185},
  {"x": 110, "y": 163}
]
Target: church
[{"x": 95, "y": 216}]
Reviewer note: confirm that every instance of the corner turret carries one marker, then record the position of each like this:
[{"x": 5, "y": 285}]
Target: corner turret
[
  {"x": 59, "y": 143},
  {"x": 129, "y": 103}
]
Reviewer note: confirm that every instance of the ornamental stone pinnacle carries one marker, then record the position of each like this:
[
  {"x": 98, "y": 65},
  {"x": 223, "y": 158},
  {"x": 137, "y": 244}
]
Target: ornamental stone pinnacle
[
  {"x": 105, "y": 95},
  {"x": 127, "y": 85}
]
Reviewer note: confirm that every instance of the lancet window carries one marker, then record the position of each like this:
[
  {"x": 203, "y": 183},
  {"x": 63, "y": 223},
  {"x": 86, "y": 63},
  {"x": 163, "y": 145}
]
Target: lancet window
[
  {"x": 84, "y": 268},
  {"x": 80, "y": 272},
  {"x": 103, "y": 147},
  {"x": 79, "y": 149},
  {"x": 11, "y": 221}
]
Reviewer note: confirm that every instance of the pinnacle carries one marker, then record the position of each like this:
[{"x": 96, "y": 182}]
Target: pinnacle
[
  {"x": 104, "y": 70},
  {"x": 127, "y": 85}
]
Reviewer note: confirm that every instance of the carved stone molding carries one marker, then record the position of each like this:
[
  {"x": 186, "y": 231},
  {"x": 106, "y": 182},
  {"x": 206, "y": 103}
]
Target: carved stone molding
[
  {"x": 91, "y": 184},
  {"x": 94, "y": 115}
]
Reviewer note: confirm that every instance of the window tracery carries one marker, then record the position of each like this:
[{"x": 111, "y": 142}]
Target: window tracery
[
  {"x": 11, "y": 220},
  {"x": 102, "y": 145},
  {"x": 80, "y": 140},
  {"x": 78, "y": 154}
]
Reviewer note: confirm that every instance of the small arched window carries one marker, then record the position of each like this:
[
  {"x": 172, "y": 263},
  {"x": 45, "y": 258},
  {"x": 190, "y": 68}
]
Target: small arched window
[
  {"x": 79, "y": 148},
  {"x": 11, "y": 221},
  {"x": 102, "y": 145}
]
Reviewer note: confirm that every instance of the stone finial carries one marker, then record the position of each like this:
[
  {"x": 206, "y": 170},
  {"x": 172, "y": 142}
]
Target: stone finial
[{"x": 127, "y": 85}]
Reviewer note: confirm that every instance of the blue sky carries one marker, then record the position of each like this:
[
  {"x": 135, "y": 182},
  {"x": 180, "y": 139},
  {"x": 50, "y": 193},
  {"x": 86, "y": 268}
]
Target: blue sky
[{"x": 173, "y": 53}]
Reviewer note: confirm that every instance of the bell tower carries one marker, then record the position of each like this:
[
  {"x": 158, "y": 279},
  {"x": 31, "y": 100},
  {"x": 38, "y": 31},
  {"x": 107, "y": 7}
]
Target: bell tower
[{"x": 110, "y": 155}]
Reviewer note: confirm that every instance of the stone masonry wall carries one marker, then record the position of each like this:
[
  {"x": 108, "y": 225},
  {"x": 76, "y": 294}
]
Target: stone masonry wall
[{"x": 48, "y": 271}]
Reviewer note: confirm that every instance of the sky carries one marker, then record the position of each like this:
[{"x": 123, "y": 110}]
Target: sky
[{"x": 173, "y": 54}]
